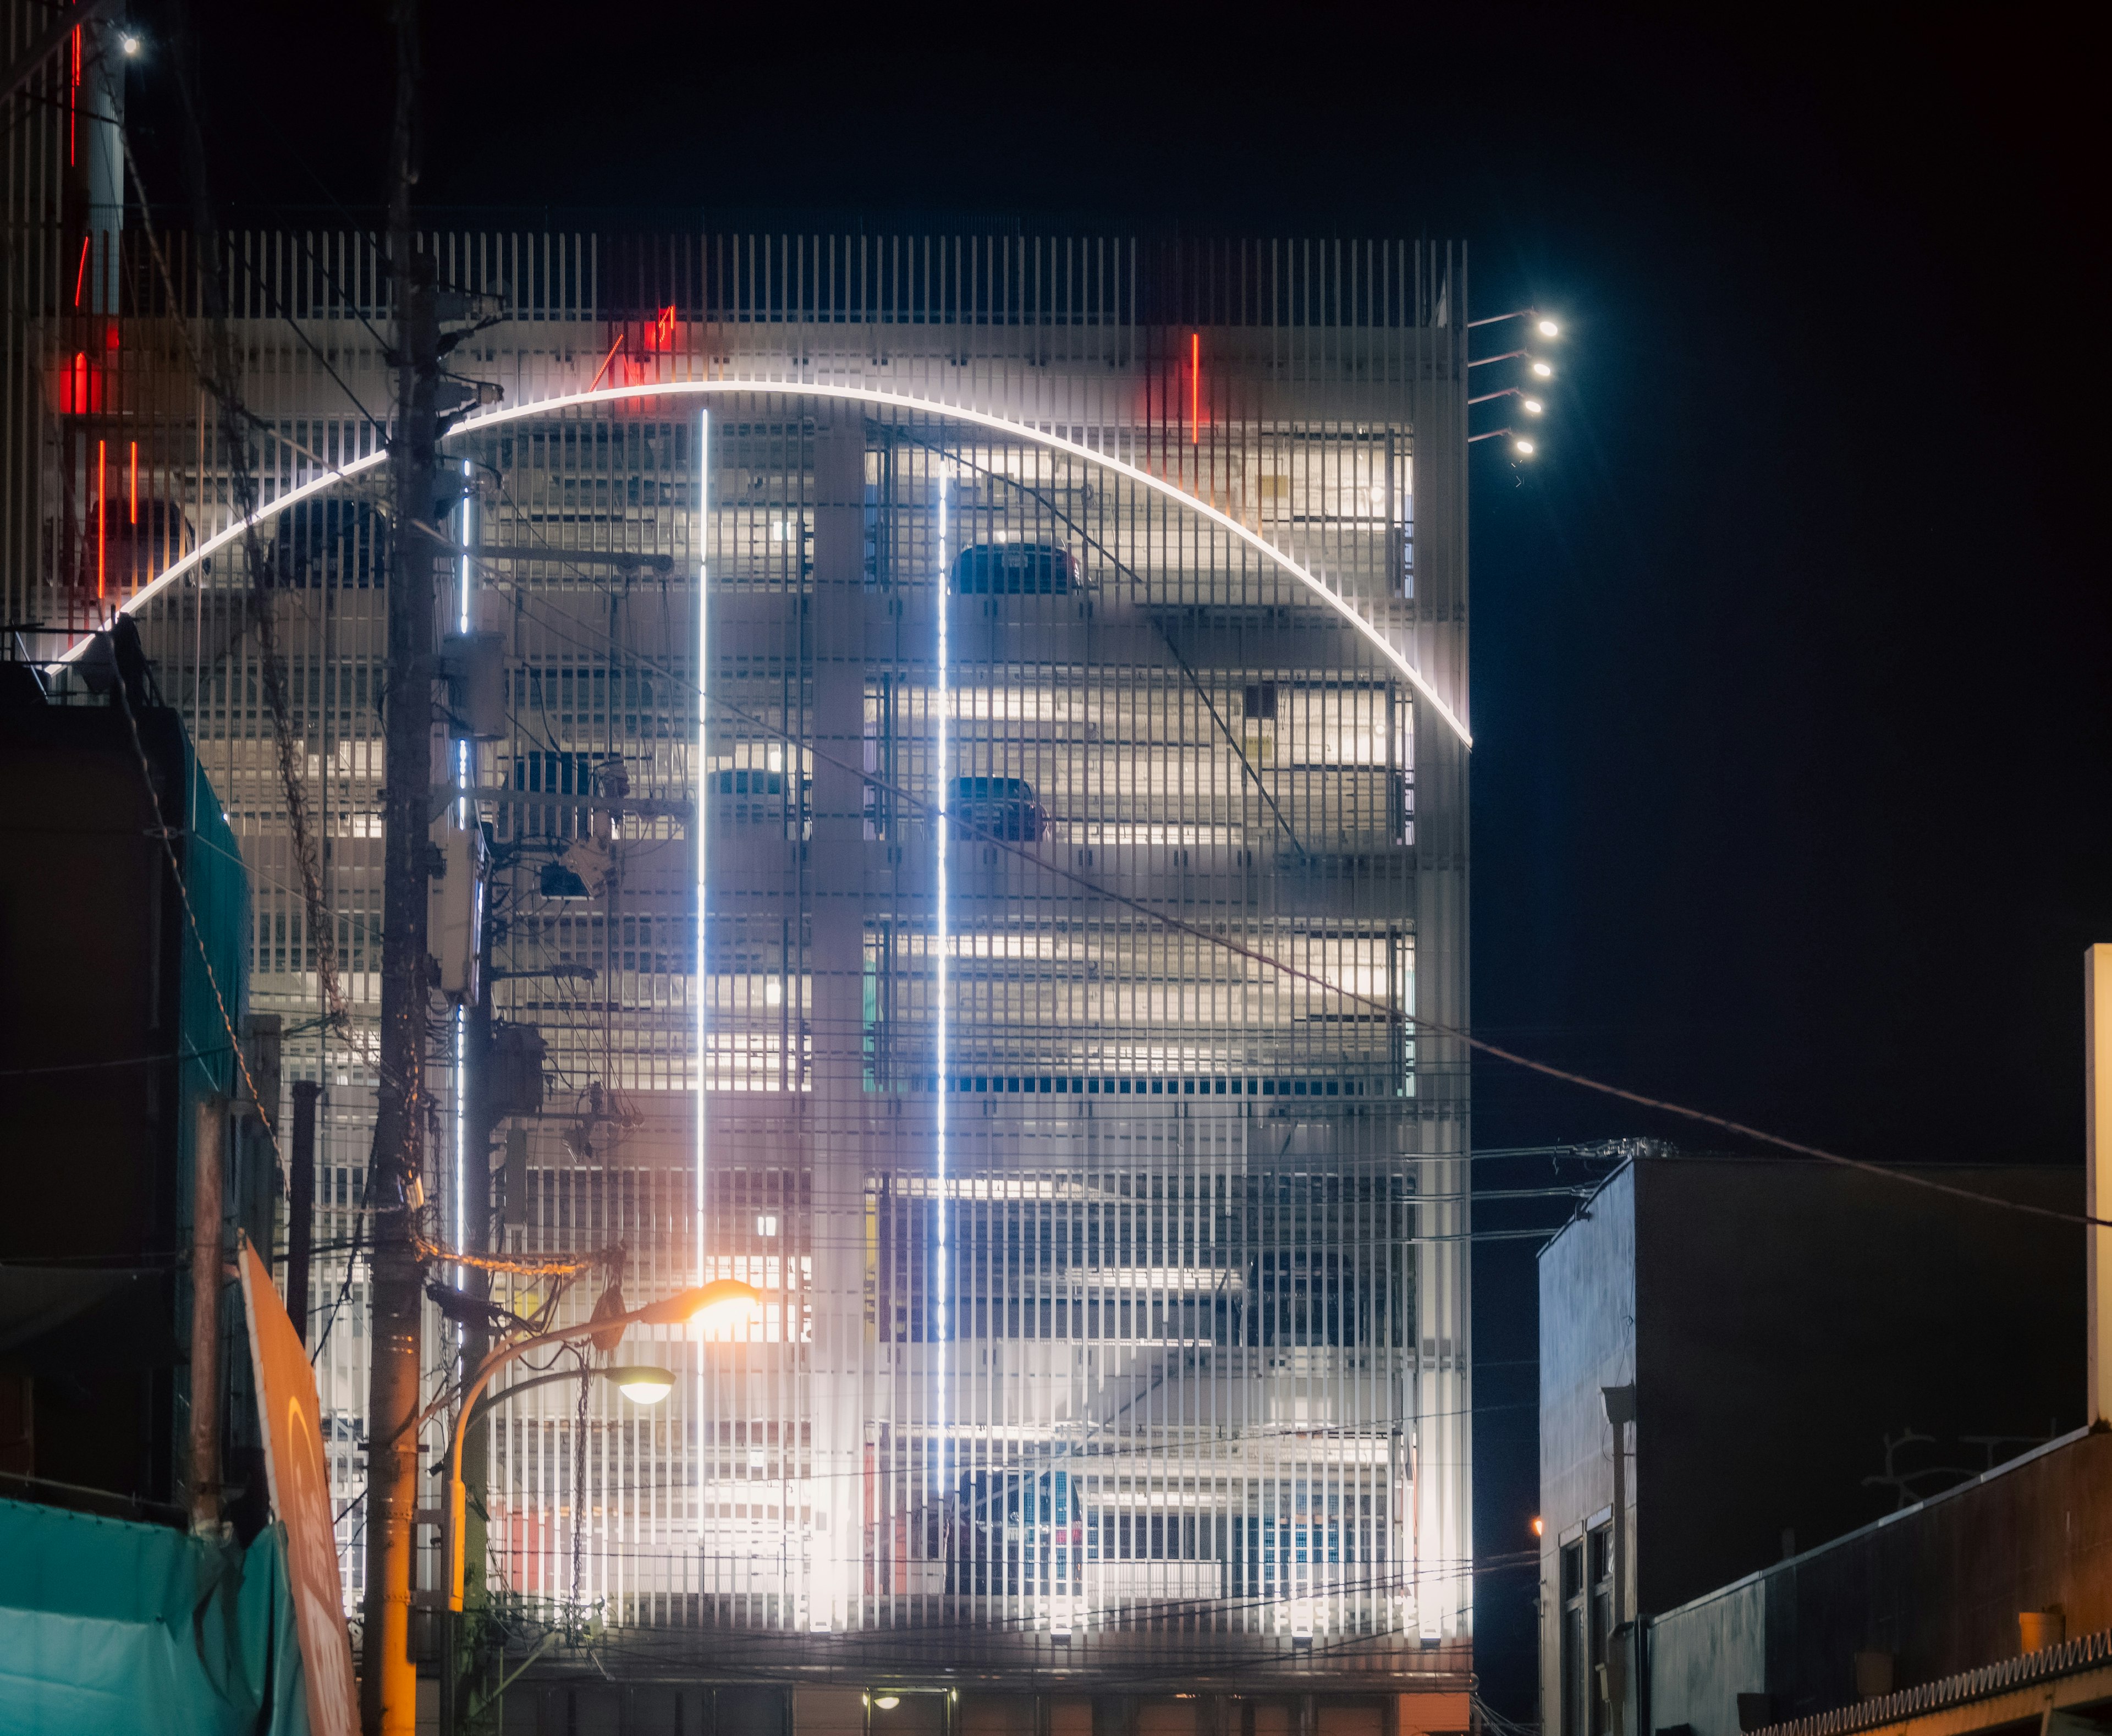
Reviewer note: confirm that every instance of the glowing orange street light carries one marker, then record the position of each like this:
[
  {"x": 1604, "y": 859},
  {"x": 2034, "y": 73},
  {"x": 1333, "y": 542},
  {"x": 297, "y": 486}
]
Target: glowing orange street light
[{"x": 717, "y": 1300}]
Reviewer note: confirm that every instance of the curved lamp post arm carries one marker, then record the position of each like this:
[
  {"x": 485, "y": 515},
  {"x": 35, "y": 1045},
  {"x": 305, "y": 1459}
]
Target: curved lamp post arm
[{"x": 672, "y": 1311}]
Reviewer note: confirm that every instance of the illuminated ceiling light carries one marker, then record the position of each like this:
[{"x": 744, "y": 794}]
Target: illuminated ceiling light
[
  {"x": 1543, "y": 369},
  {"x": 1524, "y": 449},
  {"x": 645, "y": 1386},
  {"x": 1548, "y": 329},
  {"x": 886, "y": 1702},
  {"x": 1533, "y": 406}
]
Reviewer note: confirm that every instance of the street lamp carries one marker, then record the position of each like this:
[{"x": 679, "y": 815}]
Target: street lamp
[
  {"x": 720, "y": 1300},
  {"x": 641, "y": 1386}
]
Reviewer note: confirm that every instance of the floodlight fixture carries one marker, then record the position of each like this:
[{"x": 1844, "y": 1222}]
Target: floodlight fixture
[
  {"x": 1524, "y": 449},
  {"x": 1533, "y": 406},
  {"x": 1546, "y": 326},
  {"x": 1543, "y": 369}
]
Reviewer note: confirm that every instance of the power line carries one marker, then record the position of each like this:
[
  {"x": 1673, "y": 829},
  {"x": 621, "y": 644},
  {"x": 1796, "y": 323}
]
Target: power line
[{"x": 1178, "y": 925}]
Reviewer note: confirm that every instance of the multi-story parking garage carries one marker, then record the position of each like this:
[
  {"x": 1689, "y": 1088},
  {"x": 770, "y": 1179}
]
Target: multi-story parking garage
[{"x": 978, "y": 812}]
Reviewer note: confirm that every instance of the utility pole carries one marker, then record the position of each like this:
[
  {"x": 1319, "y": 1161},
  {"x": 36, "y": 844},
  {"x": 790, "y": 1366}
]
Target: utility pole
[
  {"x": 388, "y": 1680},
  {"x": 467, "y": 1683}
]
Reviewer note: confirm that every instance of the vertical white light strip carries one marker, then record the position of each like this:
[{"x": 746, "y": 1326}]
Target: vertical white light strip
[
  {"x": 464, "y": 579},
  {"x": 941, "y": 1326},
  {"x": 704, "y": 780}
]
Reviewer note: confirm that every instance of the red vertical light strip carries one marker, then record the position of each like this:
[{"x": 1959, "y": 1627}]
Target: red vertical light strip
[
  {"x": 73, "y": 98},
  {"x": 134, "y": 492},
  {"x": 80, "y": 271},
  {"x": 1195, "y": 388},
  {"x": 102, "y": 516}
]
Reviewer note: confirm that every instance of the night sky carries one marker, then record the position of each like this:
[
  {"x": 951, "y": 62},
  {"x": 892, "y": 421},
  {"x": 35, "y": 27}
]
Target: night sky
[{"x": 1791, "y": 721}]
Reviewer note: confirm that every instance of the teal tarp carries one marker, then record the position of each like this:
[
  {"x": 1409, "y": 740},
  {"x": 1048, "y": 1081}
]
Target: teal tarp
[{"x": 110, "y": 1626}]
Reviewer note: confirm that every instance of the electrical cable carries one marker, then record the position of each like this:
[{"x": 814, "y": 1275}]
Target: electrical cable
[
  {"x": 167, "y": 834},
  {"x": 1194, "y": 930}
]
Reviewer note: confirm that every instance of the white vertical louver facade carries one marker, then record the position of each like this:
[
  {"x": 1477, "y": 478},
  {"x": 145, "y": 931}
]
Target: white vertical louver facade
[{"x": 1108, "y": 1206}]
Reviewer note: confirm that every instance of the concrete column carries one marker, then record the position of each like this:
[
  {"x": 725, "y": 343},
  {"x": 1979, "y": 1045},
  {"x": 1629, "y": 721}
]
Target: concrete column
[
  {"x": 835, "y": 1113},
  {"x": 2097, "y": 1183}
]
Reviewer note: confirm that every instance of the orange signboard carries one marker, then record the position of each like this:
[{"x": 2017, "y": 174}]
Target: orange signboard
[{"x": 300, "y": 1496}]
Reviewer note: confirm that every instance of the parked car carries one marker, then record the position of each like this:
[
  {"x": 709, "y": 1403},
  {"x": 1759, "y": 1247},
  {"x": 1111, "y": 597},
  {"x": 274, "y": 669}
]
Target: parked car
[
  {"x": 1013, "y": 570},
  {"x": 999, "y": 807}
]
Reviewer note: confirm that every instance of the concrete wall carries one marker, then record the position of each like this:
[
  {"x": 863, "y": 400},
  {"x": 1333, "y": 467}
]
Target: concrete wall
[
  {"x": 1587, "y": 1314},
  {"x": 1700, "y": 1660},
  {"x": 1937, "y": 1587},
  {"x": 1792, "y": 1315}
]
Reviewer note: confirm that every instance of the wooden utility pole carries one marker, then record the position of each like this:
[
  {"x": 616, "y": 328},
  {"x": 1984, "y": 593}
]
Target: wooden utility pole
[
  {"x": 389, "y": 1681},
  {"x": 468, "y": 1706}
]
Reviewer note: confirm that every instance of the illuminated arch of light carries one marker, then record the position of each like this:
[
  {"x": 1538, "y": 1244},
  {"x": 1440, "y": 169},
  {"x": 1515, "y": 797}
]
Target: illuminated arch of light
[{"x": 510, "y": 413}]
